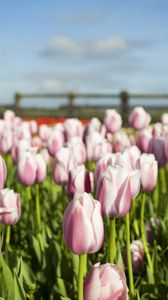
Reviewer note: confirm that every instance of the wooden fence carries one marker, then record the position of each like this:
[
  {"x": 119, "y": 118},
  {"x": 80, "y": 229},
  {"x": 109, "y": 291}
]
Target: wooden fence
[{"x": 124, "y": 98}]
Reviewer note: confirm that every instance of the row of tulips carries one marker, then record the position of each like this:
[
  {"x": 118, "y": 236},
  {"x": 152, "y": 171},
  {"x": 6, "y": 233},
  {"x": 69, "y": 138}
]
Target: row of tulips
[{"x": 79, "y": 183}]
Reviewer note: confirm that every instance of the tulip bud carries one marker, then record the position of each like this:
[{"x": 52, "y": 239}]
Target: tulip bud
[
  {"x": 3, "y": 172},
  {"x": 158, "y": 148},
  {"x": 93, "y": 141},
  {"x": 41, "y": 171},
  {"x": 6, "y": 141},
  {"x": 112, "y": 120},
  {"x": 137, "y": 255},
  {"x": 44, "y": 132},
  {"x": 102, "y": 163},
  {"x": 46, "y": 156},
  {"x": 139, "y": 118},
  {"x": 164, "y": 118},
  {"x": 120, "y": 141},
  {"x": 36, "y": 142},
  {"x": 104, "y": 282},
  {"x": 26, "y": 168},
  {"x": 126, "y": 161},
  {"x": 9, "y": 116},
  {"x": 78, "y": 180},
  {"x": 64, "y": 161},
  {"x": 33, "y": 126},
  {"x": 83, "y": 224},
  {"x": 78, "y": 150},
  {"x": 149, "y": 171},
  {"x": 10, "y": 209},
  {"x": 55, "y": 142},
  {"x": 144, "y": 138},
  {"x": 114, "y": 192},
  {"x": 157, "y": 130},
  {"x": 73, "y": 128},
  {"x": 101, "y": 149}
]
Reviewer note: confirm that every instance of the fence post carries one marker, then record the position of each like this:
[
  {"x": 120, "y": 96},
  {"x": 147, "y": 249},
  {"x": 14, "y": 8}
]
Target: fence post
[
  {"x": 17, "y": 101},
  {"x": 71, "y": 98},
  {"x": 124, "y": 106}
]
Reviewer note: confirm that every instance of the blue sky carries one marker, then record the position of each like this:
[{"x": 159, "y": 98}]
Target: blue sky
[{"x": 103, "y": 46}]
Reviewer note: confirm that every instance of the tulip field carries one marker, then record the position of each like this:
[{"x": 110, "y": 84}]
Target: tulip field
[{"x": 84, "y": 208}]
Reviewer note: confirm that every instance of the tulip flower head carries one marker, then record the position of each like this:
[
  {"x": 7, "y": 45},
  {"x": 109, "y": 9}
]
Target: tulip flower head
[
  {"x": 10, "y": 208},
  {"x": 79, "y": 180},
  {"x": 149, "y": 171},
  {"x": 114, "y": 192},
  {"x": 83, "y": 224},
  {"x": 105, "y": 282},
  {"x": 112, "y": 120},
  {"x": 137, "y": 255},
  {"x": 3, "y": 172},
  {"x": 139, "y": 118}
]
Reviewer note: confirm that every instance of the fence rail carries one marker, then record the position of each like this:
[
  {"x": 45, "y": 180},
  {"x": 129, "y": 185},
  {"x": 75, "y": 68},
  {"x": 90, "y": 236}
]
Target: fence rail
[{"x": 123, "y": 97}]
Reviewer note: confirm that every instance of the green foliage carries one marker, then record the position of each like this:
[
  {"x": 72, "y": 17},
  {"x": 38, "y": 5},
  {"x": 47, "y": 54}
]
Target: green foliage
[{"x": 38, "y": 265}]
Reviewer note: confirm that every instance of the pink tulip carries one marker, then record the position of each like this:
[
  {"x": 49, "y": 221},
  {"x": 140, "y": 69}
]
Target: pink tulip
[
  {"x": 92, "y": 141},
  {"x": 105, "y": 282},
  {"x": 18, "y": 148},
  {"x": 24, "y": 131},
  {"x": 157, "y": 130},
  {"x": 36, "y": 142},
  {"x": 137, "y": 255},
  {"x": 9, "y": 116},
  {"x": 112, "y": 120},
  {"x": 101, "y": 149},
  {"x": 120, "y": 141},
  {"x": 114, "y": 192},
  {"x": 151, "y": 227},
  {"x": 139, "y": 118},
  {"x": 41, "y": 171},
  {"x": 46, "y": 156},
  {"x": 3, "y": 172},
  {"x": 126, "y": 161},
  {"x": 64, "y": 162},
  {"x": 134, "y": 155},
  {"x": 83, "y": 224},
  {"x": 79, "y": 180},
  {"x": 149, "y": 171},
  {"x": 33, "y": 126},
  {"x": 144, "y": 138},
  {"x": 10, "y": 209},
  {"x": 164, "y": 118},
  {"x": 26, "y": 168},
  {"x": 44, "y": 132},
  {"x": 158, "y": 148},
  {"x": 94, "y": 126},
  {"x": 55, "y": 142},
  {"x": 102, "y": 163},
  {"x": 78, "y": 150},
  {"x": 6, "y": 141},
  {"x": 73, "y": 128}
]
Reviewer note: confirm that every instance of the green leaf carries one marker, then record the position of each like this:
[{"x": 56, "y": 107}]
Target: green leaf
[
  {"x": 63, "y": 287},
  {"x": 7, "y": 281},
  {"x": 19, "y": 290}
]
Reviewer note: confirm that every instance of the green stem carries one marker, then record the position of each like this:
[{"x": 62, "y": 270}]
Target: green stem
[
  {"x": 38, "y": 214},
  {"x": 143, "y": 234},
  {"x": 82, "y": 261},
  {"x": 85, "y": 266},
  {"x": 8, "y": 231},
  {"x": 28, "y": 193},
  {"x": 112, "y": 241},
  {"x": 129, "y": 259},
  {"x": 162, "y": 180}
]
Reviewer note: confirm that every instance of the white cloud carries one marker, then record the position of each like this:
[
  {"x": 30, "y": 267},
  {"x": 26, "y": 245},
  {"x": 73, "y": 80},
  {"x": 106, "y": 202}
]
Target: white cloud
[{"x": 66, "y": 47}]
